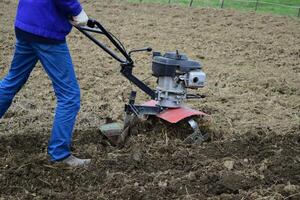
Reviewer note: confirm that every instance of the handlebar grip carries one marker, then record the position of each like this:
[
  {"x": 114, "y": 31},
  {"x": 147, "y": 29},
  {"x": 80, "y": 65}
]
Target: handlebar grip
[{"x": 91, "y": 23}]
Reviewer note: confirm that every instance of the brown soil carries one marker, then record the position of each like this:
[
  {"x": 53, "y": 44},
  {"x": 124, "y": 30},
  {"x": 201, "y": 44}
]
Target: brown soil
[{"x": 253, "y": 95}]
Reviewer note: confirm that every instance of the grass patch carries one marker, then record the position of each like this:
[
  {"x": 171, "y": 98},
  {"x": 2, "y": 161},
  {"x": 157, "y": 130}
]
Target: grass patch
[{"x": 281, "y": 7}]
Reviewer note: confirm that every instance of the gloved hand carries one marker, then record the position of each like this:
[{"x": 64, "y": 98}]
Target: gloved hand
[{"x": 81, "y": 19}]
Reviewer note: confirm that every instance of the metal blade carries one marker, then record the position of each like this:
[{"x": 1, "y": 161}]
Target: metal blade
[{"x": 196, "y": 137}]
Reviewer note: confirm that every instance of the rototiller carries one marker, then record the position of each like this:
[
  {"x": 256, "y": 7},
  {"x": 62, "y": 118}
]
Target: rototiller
[{"x": 174, "y": 71}]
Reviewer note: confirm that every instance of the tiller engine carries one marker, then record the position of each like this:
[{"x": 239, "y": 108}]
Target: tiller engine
[{"x": 175, "y": 73}]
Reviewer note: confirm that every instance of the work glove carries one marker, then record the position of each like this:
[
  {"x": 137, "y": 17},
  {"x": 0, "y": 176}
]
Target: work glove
[{"x": 81, "y": 19}]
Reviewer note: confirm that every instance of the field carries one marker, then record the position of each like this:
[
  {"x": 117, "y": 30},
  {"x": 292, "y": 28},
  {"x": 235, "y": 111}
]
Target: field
[
  {"x": 281, "y": 7},
  {"x": 253, "y": 95}
]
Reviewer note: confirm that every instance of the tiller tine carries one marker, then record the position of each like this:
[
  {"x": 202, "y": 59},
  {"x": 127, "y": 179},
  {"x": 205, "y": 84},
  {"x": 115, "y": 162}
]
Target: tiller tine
[
  {"x": 197, "y": 137},
  {"x": 175, "y": 115}
]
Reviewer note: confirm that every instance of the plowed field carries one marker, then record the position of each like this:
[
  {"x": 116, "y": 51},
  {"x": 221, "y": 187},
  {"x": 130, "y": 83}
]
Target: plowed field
[{"x": 253, "y": 95}]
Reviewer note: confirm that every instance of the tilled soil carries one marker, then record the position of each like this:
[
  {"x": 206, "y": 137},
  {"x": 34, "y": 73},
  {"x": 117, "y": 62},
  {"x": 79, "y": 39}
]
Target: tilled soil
[{"x": 253, "y": 96}]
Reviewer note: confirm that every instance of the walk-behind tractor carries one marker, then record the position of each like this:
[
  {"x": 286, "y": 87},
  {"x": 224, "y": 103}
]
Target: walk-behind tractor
[{"x": 175, "y": 73}]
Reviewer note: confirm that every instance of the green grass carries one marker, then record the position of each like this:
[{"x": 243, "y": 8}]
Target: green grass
[{"x": 245, "y": 5}]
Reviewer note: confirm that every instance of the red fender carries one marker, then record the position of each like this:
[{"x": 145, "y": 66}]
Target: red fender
[{"x": 174, "y": 115}]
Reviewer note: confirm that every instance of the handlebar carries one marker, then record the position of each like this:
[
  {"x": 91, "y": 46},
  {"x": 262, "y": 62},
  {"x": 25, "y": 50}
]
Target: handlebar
[
  {"x": 95, "y": 27},
  {"x": 126, "y": 62}
]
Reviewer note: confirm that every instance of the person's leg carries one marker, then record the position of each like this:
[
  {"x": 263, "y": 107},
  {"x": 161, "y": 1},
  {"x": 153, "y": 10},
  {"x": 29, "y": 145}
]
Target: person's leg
[
  {"x": 57, "y": 62},
  {"x": 22, "y": 64}
]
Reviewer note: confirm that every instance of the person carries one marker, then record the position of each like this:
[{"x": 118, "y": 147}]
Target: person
[{"x": 41, "y": 28}]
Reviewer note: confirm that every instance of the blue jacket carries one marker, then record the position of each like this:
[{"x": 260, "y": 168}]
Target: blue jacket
[{"x": 47, "y": 18}]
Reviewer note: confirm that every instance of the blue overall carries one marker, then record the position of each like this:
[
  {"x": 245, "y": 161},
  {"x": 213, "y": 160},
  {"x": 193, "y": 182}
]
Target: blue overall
[
  {"x": 42, "y": 27},
  {"x": 57, "y": 63}
]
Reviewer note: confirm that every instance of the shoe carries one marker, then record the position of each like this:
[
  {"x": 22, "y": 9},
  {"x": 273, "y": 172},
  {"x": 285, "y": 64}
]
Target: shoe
[{"x": 73, "y": 161}]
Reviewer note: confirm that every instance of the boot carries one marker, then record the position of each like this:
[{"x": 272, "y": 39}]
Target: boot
[{"x": 73, "y": 161}]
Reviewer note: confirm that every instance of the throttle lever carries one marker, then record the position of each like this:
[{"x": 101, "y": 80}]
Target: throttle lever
[{"x": 148, "y": 49}]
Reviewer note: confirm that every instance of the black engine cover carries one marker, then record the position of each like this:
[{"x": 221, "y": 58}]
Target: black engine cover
[{"x": 172, "y": 62}]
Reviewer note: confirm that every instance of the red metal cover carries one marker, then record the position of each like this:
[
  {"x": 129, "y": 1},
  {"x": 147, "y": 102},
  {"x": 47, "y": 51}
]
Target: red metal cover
[{"x": 174, "y": 115}]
